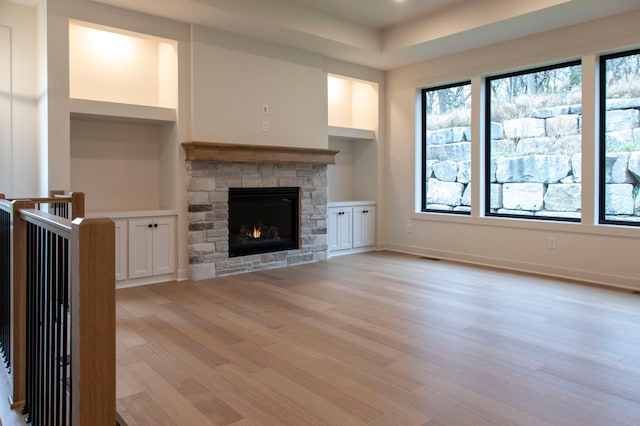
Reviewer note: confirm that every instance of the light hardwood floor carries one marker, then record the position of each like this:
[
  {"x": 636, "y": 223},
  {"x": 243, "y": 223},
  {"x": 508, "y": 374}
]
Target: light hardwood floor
[{"x": 378, "y": 339}]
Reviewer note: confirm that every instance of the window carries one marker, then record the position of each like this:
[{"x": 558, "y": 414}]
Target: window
[
  {"x": 446, "y": 148},
  {"x": 534, "y": 143},
  {"x": 620, "y": 138}
]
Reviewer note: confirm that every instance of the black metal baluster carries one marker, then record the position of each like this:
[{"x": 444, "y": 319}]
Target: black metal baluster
[
  {"x": 29, "y": 326},
  {"x": 42, "y": 371},
  {"x": 46, "y": 282},
  {"x": 58, "y": 320},
  {"x": 49, "y": 326},
  {"x": 66, "y": 336},
  {"x": 40, "y": 345},
  {"x": 5, "y": 293}
]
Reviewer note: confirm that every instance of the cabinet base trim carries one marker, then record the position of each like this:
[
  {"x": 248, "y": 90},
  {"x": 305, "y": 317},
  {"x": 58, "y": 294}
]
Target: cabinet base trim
[
  {"x": 351, "y": 251},
  {"x": 137, "y": 282}
]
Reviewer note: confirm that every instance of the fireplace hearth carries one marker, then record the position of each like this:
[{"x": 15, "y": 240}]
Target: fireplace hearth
[{"x": 263, "y": 220}]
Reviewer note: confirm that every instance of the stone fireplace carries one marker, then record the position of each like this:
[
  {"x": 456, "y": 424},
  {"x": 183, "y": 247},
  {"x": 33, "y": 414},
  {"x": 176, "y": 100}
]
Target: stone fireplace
[{"x": 215, "y": 168}]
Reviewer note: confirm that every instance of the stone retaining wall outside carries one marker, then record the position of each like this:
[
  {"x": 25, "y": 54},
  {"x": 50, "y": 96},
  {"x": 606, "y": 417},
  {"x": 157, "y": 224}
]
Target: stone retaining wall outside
[{"x": 536, "y": 165}]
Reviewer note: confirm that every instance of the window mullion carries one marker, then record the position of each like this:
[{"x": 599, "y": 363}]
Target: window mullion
[
  {"x": 590, "y": 140},
  {"x": 477, "y": 147}
]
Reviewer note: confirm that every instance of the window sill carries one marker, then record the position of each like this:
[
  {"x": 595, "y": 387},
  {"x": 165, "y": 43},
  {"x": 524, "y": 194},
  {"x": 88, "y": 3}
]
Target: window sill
[{"x": 531, "y": 224}]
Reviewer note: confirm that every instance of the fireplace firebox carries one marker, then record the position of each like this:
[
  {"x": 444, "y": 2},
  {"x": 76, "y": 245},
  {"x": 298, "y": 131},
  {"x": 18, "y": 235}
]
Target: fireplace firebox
[{"x": 263, "y": 220}]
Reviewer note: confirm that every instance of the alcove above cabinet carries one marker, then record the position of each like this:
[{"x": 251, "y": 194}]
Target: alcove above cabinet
[{"x": 119, "y": 74}]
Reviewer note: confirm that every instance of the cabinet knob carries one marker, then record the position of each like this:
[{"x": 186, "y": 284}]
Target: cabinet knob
[
  {"x": 150, "y": 225},
  {"x": 155, "y": 225}
]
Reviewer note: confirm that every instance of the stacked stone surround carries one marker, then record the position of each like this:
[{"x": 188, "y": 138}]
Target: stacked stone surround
[{"x": 208, "y": 213}]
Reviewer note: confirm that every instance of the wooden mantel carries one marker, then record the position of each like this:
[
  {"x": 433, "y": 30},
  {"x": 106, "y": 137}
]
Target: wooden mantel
[{"x": 227, "y": 152}]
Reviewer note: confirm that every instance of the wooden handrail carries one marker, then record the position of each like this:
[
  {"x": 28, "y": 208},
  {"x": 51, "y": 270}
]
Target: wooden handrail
[
  {"x": 75, "y": 199},
  {"x": 48, "y": 221},
  {"x": 41, "y": 199}
]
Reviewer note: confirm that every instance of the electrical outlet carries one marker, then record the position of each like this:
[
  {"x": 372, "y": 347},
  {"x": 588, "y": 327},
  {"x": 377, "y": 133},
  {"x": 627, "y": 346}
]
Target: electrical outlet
[
  {"x": 265, "y": 109},
  {"x": 265, "y": 125},
  {"x": 408, "y": 228},
  {"x": 552, "y": 243}
]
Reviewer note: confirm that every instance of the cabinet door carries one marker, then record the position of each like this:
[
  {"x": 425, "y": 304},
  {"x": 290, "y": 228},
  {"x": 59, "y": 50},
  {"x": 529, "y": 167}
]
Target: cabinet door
[
  {"x": 121, "y": 249},
  {"x": 339, "y": 228},
  {"x": 332, "y": 228},
  {"x": 140, "y": 248},
  {"x": 364, "y": 226},
  {"x": 164, "y": 245}
]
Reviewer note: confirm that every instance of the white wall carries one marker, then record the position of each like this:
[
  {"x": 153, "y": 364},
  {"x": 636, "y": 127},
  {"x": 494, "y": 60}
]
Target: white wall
[
  {"x": 341, "y": 173},
  {"x": 584, "y": 251},
  {"x": 6, "y": 138},
  {"x": 234, "y": 77},
  {"x": 54, "y": 122},
  {"x": 18, "y": 100},
  {"x": 116, "y": 165}
]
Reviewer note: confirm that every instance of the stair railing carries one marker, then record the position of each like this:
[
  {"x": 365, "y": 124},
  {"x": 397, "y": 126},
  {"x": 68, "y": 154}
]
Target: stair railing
[{"x": 58, "y": 277}]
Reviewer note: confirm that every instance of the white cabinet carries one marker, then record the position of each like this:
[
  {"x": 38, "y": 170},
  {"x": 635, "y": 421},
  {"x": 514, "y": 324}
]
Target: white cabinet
[
  {"x": 151, "y": 246},
  {"x": 121, "y": 248},
  {"x": 364, "y": 226},
  {"x": 339, "y": 229},
  {"x": 351, "y": 227},
  {"x": 145, "y": 246}
]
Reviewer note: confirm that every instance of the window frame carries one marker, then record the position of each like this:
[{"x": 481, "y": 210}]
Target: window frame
[
  {"x": 487, "y": 141},
  {"x": 423, "y": 164},
  {"x": 602, "y": 138}
]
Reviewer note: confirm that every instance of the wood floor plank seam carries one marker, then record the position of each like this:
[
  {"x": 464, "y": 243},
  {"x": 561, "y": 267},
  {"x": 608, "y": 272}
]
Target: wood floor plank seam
[{"x": 378, "y": 339}]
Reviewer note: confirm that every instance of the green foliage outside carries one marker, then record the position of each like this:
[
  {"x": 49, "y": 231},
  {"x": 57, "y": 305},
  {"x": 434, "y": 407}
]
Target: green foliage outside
[{"x": 519, "y": 96}]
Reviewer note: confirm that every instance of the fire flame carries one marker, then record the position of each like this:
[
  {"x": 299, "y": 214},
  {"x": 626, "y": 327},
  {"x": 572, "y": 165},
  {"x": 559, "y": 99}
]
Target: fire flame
[{"x": 256, "y": 233}]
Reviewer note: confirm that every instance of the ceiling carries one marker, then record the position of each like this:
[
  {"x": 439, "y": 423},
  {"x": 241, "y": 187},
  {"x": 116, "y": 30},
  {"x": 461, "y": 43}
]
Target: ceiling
[
  {"x": 382, "y": 34},
  {"x": 379, "y": 13}
]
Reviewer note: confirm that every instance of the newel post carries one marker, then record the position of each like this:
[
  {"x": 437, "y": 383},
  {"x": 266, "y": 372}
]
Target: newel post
[
  {"x": 93, "y": 320},
  {"x": 77, "y": 205},
  {"x": 18, "y": 302}
]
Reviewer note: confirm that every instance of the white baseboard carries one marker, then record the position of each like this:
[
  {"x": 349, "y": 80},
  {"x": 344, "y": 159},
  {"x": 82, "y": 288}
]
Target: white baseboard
[
  {"x": 182, "y": 275},
  {"x": 137, "y": 282},
  {"x": 593, "y": 277},
  {"x": 334, "y": 253}
]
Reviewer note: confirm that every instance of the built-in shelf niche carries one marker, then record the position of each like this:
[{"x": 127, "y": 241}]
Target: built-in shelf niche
[
  {"x": 352, "y": 129},
  {"x": 123, "y": 105},
  {"x": 121, "y": 67},
  {"x": 352, "y": 103}
]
